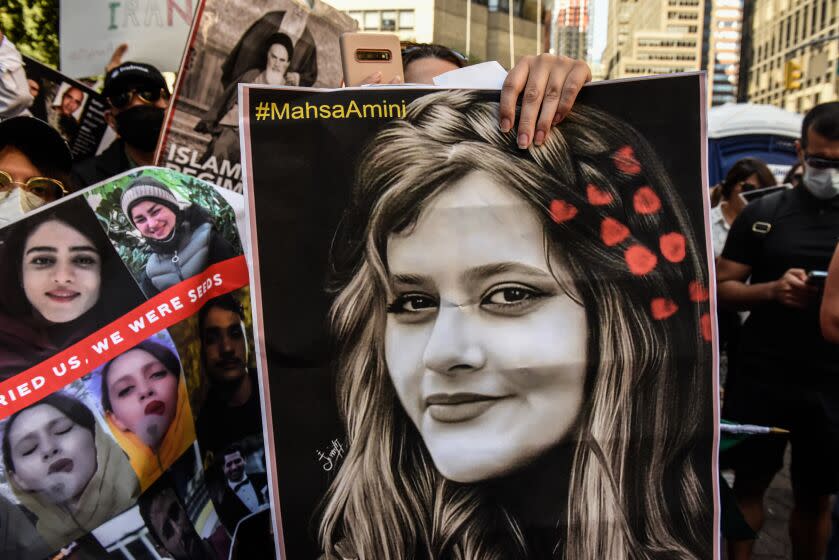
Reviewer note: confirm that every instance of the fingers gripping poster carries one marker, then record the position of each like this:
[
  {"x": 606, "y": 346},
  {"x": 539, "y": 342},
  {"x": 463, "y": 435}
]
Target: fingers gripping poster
[
  {"x": 277, "y": 42},
  {"x": 474, "y": 351},
  {"x": 129, "y": 400}
]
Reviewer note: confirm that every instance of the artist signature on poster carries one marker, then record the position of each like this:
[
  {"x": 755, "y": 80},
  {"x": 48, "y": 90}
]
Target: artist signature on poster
[{"x": 330, "y": 458}]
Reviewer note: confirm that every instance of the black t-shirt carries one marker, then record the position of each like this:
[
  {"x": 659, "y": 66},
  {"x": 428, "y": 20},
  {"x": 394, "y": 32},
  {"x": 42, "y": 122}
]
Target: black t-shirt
[{"x": 778, "y": 341}]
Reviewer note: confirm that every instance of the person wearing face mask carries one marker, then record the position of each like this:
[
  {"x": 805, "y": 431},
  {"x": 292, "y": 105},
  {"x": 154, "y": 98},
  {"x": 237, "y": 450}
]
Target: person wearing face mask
[
  {"x": 35, "y": 165},
  {"x": 138, "y": 97},
  {"x": 788, "y": 374}
]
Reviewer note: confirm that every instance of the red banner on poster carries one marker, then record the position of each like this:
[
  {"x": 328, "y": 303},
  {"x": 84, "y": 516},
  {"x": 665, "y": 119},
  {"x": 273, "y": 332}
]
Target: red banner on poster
[{"x": 162, "y": 311}]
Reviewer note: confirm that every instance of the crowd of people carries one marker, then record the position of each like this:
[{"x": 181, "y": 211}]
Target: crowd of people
[{"x": 777, "y": 275}]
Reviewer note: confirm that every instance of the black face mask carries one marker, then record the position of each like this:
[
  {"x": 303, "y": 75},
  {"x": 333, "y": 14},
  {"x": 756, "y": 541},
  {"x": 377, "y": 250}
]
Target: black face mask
[{"x": 140, "y": 126}]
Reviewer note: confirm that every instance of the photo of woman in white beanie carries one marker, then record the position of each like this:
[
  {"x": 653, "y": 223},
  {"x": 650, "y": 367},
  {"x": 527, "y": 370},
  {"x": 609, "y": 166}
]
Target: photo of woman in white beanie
[{"x": 181, "y": 236}]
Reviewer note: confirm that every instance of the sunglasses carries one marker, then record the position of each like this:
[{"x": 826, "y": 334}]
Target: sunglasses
[
  {"x": 748, "y": 187},
  {"x": 821, "y": 163},
  {"x": 44, "y": 188},
  {"x": 148, "y": 96}
]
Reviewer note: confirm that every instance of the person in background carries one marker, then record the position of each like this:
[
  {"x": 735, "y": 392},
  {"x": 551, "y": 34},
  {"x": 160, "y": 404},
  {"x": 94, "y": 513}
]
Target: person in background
[
  {"x": 747, "y": 175},
  {"x": 788, "y": 374},
  {"x": 548, "y": 85},
  {"x": 138, "y": 97},
  {"x": 35, "y": 164},
  {"x": 15, "y": 96}
]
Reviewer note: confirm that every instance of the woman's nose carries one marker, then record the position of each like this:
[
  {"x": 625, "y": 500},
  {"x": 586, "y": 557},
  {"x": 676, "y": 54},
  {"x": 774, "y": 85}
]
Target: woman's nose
[
  {"x": 454, "y": 345},
  {"x": 64, "y": 273}
]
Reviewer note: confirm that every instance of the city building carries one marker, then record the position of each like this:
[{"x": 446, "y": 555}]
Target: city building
[
  {"x": 571, "y": 36},
  {"x": 790, "y": 53},
  {"x": 721, "y": 53},
  {"x": 654, "y": 37},
  {"x": 445, "y": 22}
]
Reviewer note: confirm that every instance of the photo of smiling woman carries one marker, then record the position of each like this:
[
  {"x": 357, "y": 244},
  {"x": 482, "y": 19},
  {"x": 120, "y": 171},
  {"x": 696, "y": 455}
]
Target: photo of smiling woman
[
  {"x": 63, "y": 467},
  {"x": 181, "y": 237},
  {"x": 146, "y": 406},
  {"x": 52, "y": 292},
  {"x": 525, "y": 367}
]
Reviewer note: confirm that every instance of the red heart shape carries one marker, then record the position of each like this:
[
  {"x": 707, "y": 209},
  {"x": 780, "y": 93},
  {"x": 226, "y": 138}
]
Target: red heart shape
[
  {"x": 646, "y": 201},
  {"x": 562, "y": 211},
  {"x": 625, "y": 161},
  {"x": 597, "y": 197},
  {"x": 705, "y": 326},
  {"x": 697, "y": 291},
  {"x": 613, "y": 232},
  {"x": 640, "y": 260},
  {"x": 672, "y": 246},
  {"x": 662, "y": 308}
]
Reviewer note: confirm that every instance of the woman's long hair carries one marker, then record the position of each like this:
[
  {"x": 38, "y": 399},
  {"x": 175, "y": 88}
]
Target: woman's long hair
[{"x": 640, "y": 482}]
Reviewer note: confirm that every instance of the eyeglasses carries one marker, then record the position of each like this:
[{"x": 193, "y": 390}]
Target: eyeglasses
[
  {"x": 414, "y": 51},
  {"x": 148, "y": 96},
  {"x": 44, "y": 188},
  {"x": 821, "y": 163}
]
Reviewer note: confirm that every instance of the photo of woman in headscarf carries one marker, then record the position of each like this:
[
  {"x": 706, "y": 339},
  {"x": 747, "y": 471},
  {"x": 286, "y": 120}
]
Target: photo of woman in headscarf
[
  {"x": 146, "y": 406},
  {"x": 525, "y": 367},
  {"x": 64, "y": 468},
  {"x": 61, "y": 280},
  {"x": 181, "y": 236}
]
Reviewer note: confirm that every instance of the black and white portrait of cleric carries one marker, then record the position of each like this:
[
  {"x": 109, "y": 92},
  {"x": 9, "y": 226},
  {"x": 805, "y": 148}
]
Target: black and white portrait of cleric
[
  {"x": 61, "y": 280},
  {"x": 485, "y": 352}
]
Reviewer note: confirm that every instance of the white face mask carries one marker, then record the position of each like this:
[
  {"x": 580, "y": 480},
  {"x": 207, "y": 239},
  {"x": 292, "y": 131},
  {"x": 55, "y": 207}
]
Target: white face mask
[
  {"x": 822, "y": 183},
  {"x": 15, "y": 203}
]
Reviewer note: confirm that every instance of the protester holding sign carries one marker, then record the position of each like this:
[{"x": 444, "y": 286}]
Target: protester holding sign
[{"x": 65, "y": 469}]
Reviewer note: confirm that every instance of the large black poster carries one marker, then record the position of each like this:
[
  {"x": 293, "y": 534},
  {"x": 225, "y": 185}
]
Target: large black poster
[{"x": 475, "y": 351}]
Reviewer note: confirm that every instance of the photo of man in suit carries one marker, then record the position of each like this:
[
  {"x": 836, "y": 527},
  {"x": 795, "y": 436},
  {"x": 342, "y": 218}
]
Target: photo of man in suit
[{"x": 239, "y": 493}]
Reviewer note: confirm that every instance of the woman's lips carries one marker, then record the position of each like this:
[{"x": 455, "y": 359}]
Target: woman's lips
[
  {"x": 155, "y": 407},
  {"x": 458, "y": 407},
  {"x": 62, "y": 296},
  {"x": 62, "y": 465}
]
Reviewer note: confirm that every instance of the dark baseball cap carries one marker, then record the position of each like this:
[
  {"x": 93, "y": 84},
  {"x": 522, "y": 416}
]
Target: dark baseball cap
[
  {"x": 39, "y": 142},
  {"x": 130, "y": 75}
]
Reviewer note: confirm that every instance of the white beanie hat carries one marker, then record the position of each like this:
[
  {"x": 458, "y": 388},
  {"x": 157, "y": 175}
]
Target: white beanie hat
[{"x": 144, "y": 188}]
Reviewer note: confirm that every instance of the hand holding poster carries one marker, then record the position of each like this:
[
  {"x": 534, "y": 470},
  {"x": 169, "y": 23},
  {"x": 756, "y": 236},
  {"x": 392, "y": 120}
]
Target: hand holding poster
[
  {"x": 275, "y": 42},
  {"x": 124, "y": 337},
  {"x": 476, "y": 351}
]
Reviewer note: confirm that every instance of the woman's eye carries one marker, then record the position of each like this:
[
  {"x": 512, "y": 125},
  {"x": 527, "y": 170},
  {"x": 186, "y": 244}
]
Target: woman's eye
[
  {"x": 63, "y": 428},
  {"x": 86, "y": 261},
  {"x": 42, "y": 261},
  {"x": 125, "y": 391},
  {"x": 511, "y": 296},
  {"x": 412, "y": 303},
  {"x": 159, "y": 374},
  {"x": 29, "y": 450}
]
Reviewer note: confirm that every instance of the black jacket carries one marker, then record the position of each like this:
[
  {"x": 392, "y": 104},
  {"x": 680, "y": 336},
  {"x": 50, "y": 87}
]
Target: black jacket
[{"x": 112, "y": 161}]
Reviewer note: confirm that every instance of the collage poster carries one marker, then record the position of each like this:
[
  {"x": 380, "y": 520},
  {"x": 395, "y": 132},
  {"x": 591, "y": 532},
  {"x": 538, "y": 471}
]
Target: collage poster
[
  {"x": 274, "y": 42},
  {"x": 130, "y": 416},
  {"x": 469, "y": 350}
]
